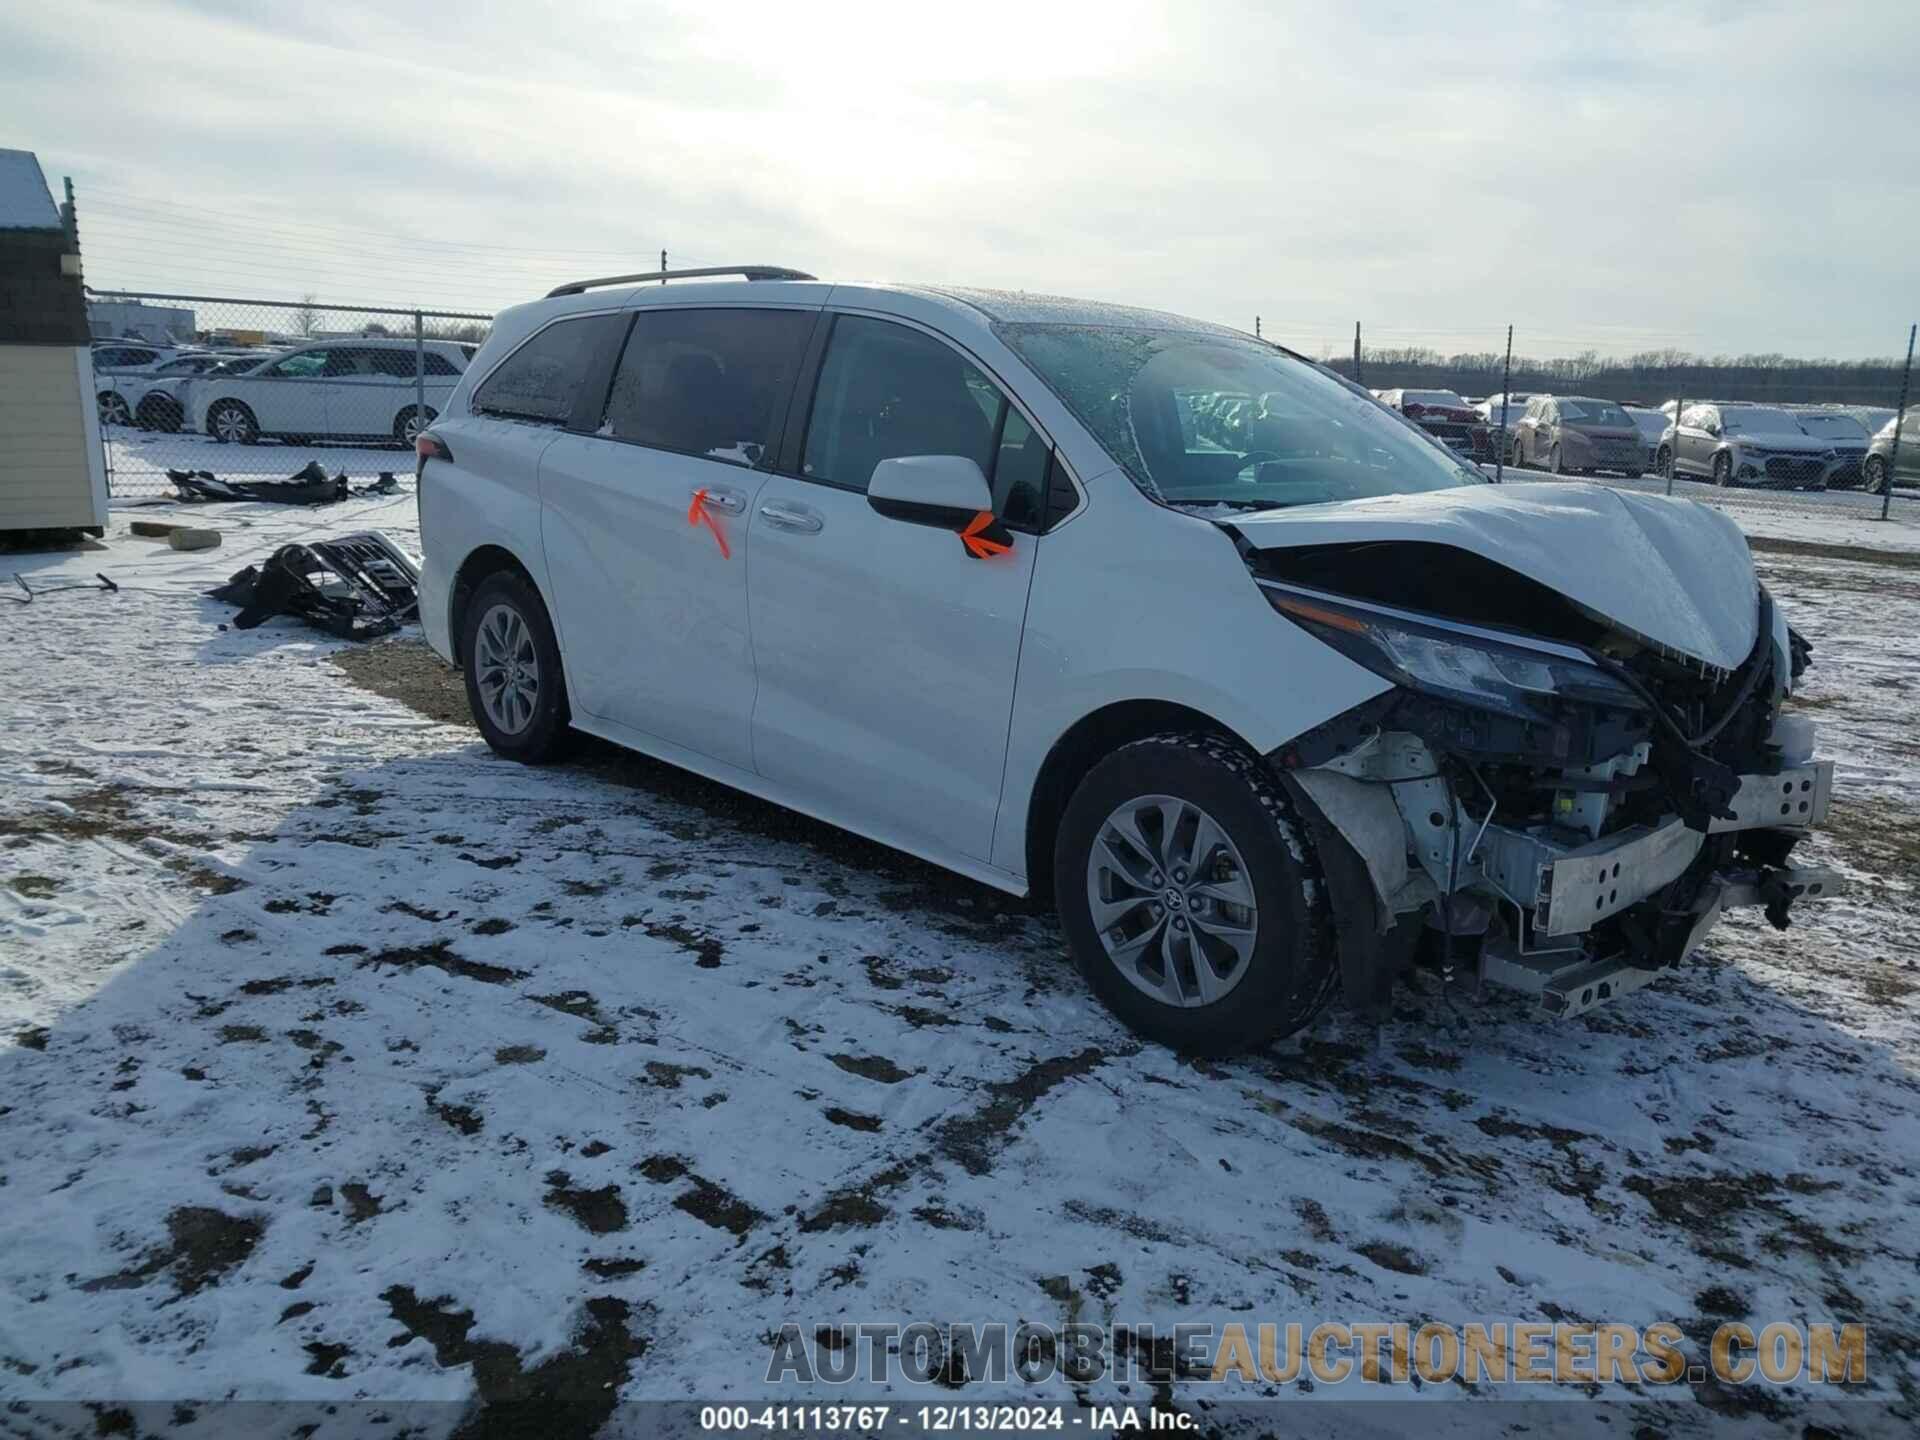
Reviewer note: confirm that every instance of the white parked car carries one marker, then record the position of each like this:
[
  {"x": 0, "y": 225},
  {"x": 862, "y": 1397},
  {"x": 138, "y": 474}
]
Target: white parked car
[
  {"x": 157, "y": 398},
  {"x": 358, "y": 389},
  {"x": 956, "y": 570},
  {"x": 118, "y": 364}
]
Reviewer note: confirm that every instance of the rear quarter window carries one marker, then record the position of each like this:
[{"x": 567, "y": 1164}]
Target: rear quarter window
[{"x": 543, "y": 379}]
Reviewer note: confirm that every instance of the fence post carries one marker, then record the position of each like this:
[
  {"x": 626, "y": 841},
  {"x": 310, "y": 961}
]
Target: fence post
[
  {"x": 419, "y": 372},
  {"x": 663, "y": 267},
  {"x": 1899, "y": 423},
  {"x": 1356, "y": 354},
  {"x": 1673, "y": 452},
  {"x": 1506, "y": 389}
]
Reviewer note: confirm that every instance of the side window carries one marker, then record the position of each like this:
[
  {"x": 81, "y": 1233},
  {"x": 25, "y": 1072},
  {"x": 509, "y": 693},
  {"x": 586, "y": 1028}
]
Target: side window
[
  {"x": 352, "y": 361},
  {"x": 885, "y": 391},
  {"x": 394, "y": 364},
  {"x": 302, "y": 365},
  {"x": 707, "y": 382},
  {"x": 436, "y": 364},
  {"x": 543, "y": 378}
]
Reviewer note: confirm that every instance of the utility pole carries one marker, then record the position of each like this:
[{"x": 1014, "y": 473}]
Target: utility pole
[
  {"x": 663, "y": 267},
  {"x": 1506, "y": 389},
  {"x": 1899, "y": 424},
  {"x": 1256, "y": 327},
  {"x": 1356, "y": 354}
]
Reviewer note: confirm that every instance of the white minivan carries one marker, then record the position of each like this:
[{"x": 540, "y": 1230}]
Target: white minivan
[
  {"x": 355, "y": 389},
  {"x": 1265, "y": 716}
]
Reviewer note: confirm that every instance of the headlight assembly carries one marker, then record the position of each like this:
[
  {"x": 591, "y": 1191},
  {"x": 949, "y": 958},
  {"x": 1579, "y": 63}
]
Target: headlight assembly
[{"x": 1515, "y": 677}]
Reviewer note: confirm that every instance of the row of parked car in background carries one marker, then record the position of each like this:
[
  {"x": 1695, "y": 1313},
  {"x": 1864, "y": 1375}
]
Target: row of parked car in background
[
  {"x": 365, "y": 388},
  {"x": 1727, "y": 442},
  {"x": 362, "y": 388}
]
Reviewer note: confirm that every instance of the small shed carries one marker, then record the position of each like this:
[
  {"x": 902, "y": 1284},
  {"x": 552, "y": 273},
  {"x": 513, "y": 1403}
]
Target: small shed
[{"x": 53, "y": 473}]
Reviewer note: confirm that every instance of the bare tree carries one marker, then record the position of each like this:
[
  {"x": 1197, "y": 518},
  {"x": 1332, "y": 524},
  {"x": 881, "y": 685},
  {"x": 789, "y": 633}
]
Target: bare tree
[{"x": 306, "y": 319}]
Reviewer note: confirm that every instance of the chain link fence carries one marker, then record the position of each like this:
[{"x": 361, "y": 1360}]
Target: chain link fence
[
  {"x": 263, "y": 389},
  {"x": 1812, "y": 449}
]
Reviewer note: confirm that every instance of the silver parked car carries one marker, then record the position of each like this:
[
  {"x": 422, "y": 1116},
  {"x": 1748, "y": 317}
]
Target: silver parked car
[
  {"x": 1848, "y": 437},
  {"x": 1652, "y": 425},
  {"x": 1578, "y": 435},
  {"x": 1747, "y": 445}
]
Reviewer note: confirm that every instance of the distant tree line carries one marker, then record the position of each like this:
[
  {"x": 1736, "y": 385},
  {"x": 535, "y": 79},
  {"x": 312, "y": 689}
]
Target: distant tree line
[{"x": 1648, "y": 377}]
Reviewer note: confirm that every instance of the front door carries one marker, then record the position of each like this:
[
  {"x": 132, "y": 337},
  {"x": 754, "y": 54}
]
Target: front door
[
  {"x": 651, "y": 589},
  {"x": 885, "y": 650},
  {"x": 289, "y": 397}
]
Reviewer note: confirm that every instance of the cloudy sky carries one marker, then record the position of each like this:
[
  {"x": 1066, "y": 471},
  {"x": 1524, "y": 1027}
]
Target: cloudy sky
[{"x": 1720, "y": 177}]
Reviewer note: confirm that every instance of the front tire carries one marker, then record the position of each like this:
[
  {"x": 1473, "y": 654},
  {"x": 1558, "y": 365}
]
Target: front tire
[
  {"x": 1723, "y": 469},
  {"x": 1663, "y": 463},
  {"x": 113, "y": 408},
  {"x": 515, "y": 686},
  {"x": 1874, "y": 476},
  {"x": 1553, "y": 461},
  {"x": 1191, "y": 897},
  {"x": 230, "y": 422}
]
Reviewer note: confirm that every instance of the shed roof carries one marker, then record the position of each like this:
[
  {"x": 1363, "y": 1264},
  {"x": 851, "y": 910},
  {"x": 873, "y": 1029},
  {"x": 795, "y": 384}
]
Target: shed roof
[{"x": 25, "y": 202}]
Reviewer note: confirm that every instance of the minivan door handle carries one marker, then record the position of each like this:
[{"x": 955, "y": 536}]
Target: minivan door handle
[
  {"x": 792, "y": 517},
  {"x": 731, "y": 502}
]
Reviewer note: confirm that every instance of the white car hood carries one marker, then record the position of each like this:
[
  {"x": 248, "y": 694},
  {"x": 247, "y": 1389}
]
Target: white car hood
[{"x": 1668, "y": 572}]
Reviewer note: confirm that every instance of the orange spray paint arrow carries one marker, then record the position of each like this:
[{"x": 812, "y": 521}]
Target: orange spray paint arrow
[
  {"x": 698, "y": 512},
  {"x": 982, "y": 537}
]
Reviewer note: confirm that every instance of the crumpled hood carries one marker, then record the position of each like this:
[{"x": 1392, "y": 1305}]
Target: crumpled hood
[{"x": 1666, "y": 571}]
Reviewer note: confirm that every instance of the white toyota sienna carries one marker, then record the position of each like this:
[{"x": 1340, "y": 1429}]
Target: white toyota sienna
[{"x": 1271, "y": 693}]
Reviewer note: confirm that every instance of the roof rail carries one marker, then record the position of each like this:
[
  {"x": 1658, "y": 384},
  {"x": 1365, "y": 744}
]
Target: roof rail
[{"x": 746, "y": 272}]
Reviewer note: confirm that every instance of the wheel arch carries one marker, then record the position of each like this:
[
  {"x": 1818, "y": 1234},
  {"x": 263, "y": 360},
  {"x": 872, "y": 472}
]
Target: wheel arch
[
  {"x": 1084, "y": 745},
  {"x": 483, "y": 561}
]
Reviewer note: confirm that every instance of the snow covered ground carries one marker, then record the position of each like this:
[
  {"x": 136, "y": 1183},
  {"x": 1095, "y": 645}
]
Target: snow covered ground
[
  {"x": 351, "y": 1064},
  {"x": 138, "y": 460}
]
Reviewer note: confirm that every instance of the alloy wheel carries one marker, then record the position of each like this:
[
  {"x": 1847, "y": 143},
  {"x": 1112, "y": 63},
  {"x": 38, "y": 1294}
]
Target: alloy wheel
[
  {"x": 507, "y": 669},
  {"x": 1172, "y": 901},
  {"x": 113, "y": 410}
]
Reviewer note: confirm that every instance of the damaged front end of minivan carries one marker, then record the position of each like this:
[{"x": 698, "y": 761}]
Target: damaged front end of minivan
[{"x": 1564, "y": 806}]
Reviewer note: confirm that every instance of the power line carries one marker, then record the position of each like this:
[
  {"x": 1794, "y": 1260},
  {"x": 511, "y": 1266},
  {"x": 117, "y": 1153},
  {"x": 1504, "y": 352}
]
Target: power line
[{"x": 359, "y": 233}]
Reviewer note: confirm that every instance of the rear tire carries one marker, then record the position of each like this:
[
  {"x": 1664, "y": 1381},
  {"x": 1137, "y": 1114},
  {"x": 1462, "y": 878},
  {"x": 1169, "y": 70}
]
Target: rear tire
[
  {"x": 1269, "y": 954},
  {"x": 113, "y": 408},
  {"x": 407, "y": 425},
  {"x": 1553, "y": 461},
  {"x": 515, "y": 686}
]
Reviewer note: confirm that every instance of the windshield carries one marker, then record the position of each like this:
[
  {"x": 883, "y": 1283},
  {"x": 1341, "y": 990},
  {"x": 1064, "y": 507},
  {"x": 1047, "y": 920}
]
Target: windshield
[
  {"x": 1432, "y": 397},
  {"x": 1833, "y": 427},
  {"x": 1651, "y": 422},
  {"x": 1759, "y": 422},
  {"x": 1594, "y": 412},
  {"x": 1203, "y": 418}
]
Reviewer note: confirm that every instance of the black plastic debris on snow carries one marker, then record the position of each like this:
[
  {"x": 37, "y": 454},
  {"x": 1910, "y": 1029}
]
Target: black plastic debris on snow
[
  {"x": 308, "y": 486},
  {"x": 356, "y": 586}
]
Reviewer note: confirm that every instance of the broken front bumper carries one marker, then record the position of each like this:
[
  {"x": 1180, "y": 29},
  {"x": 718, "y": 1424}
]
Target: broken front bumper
[
  {"x": 1569, "y": 890},
  {"x": 1552, "y": 889}
]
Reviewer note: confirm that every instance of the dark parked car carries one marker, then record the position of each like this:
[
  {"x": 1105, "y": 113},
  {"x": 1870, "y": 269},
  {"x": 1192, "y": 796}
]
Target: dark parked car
[
  {"x": 1579, "y": 435},
  {"x": 1445, "y": 416}
]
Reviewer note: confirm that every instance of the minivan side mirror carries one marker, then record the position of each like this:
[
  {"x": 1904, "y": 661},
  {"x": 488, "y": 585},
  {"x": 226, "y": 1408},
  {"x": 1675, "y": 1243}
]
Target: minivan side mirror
[{"x": 939, "y": 490}]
